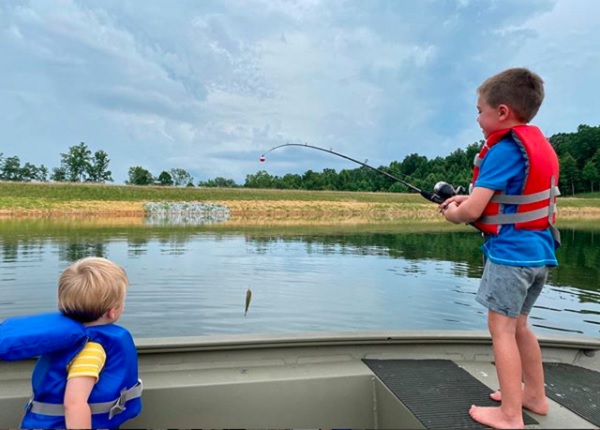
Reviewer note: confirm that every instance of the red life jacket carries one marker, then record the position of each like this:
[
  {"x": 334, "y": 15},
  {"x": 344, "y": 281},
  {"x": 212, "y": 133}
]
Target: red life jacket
[{"x": 536, "y": 205}]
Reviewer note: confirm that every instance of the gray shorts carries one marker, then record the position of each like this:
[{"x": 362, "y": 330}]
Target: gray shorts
[{"x": 510, "y": 290}]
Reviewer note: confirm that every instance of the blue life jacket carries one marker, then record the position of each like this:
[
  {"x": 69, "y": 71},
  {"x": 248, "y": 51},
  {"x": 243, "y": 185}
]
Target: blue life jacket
[{"x": 57, "y": 339}]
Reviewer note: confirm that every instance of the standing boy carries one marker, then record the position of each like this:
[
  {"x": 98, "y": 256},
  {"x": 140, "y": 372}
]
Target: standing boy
[
  {"x": 87, "y": 372},
  {"x": 513, "y": 202}
]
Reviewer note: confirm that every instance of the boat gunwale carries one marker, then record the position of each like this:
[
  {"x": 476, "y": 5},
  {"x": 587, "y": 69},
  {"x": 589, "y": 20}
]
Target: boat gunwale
[{"x": 361, "y": 338}]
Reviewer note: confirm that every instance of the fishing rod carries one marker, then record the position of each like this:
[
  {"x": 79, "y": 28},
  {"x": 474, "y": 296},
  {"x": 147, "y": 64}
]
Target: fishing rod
[{"x": 441, "y": 192}]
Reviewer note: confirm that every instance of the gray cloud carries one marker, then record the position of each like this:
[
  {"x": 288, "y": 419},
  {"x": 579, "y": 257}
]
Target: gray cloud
[{"x": 208, "y": 86}]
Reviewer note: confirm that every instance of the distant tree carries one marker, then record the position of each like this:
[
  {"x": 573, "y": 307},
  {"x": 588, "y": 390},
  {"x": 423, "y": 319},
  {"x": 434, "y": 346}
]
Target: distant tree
[
  {"x": 397, "y": 187},
  {"x": 181, "y": 177},
  {"x": 29, "y": 172},
  {"x": 346, "y": 180},
  {"x": 59, "y": 174},
  {"x": 291, "y": 181},
  {"x": 261, "y": 179},
  {"x": 77, "y": 162},
  {"x": 139, "y": 176},
  {"x": 381, "y": 182},
  {"x": 42, "y": 174},
  {"x": 218, "y": 182},
  {"x": 165, "y": 179},
  {"x": 329, "y": 179},
  {"x": 98, "y": 168},
  {"x": 311, "y": 180},
  {"x": 568, "y": 171},
  {"x": 412, "y": 162},
  {"x": 582, "y": 146},
  {"x": 591, "y": 173},
  {"x": 585, "y": 142},
  {"x": 10, "y": 169}
]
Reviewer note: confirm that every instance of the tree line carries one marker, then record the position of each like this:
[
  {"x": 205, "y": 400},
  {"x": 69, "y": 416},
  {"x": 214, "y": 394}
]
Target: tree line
[{"x": 578, "y": 152}]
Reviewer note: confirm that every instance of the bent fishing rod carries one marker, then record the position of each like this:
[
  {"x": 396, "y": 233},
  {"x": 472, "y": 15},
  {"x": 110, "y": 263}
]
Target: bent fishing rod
[{"x": 442, "y": 190}]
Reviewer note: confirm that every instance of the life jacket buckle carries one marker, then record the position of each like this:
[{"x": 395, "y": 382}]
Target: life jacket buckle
[{"x": 119, "y": 405}]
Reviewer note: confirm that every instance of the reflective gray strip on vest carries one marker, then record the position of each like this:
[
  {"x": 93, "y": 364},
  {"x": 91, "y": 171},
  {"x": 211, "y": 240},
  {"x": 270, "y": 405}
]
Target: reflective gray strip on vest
[
  {"x": 112, "y": 408},
  {"x": 554, "y": 192},
  {"x": 506, "y": 199},
  {"x": 518, "y": 217},
  {"x": 551, "y": 210},
  {"x": 478, "y": 160}
]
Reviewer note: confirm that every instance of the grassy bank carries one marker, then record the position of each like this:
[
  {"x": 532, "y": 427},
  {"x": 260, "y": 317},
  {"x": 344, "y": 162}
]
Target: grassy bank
[
  {"x": 66, "y": 199},
  {"x": 45, "y": 199},
  {"x": 66, "y": 192}
]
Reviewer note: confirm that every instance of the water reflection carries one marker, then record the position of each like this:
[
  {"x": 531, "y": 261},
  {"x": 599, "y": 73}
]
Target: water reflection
[
  {"x": 184, "y": 213},
  {"x": 193, "y": 280}
]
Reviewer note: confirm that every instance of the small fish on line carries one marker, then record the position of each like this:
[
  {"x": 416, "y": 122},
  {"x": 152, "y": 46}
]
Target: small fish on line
[{"x": 248, "y": 299}]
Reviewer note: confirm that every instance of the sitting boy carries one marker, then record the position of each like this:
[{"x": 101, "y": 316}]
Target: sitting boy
[{"x": 86, "y": 375}]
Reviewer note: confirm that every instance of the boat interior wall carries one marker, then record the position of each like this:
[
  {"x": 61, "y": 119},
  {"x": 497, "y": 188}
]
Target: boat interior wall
[
  {"x": 267, "y": 388},
  {"x": 349, "y": 402},
  {"x": 302, "y": 396},
  {"x": 15, "y": 389}
]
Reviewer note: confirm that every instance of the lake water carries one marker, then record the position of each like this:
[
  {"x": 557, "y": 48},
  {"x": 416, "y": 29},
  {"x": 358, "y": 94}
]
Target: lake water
[{"x": 193, "y": 280}]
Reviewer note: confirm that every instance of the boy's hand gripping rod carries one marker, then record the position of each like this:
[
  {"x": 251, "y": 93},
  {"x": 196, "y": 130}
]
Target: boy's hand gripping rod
[{"x": 443, "y": 190}]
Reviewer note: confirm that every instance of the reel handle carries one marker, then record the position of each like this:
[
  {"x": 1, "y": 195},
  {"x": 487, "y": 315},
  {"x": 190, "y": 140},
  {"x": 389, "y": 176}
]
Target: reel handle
[{"x": 444, "y": 191}]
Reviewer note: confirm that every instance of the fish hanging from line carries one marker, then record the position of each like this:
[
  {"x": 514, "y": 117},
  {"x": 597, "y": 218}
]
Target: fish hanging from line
[{"x": 248, "y": 299}]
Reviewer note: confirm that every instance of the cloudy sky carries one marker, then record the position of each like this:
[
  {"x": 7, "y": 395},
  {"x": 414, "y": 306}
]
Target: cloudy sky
[{"x": 210, "y": 85}]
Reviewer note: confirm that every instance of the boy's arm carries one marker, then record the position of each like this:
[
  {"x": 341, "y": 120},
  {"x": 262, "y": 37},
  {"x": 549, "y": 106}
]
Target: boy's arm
[
  {"x": 77, "y": 411},
  {"x": 83, "y": 373},
  {"x": 459, "y": 209}
]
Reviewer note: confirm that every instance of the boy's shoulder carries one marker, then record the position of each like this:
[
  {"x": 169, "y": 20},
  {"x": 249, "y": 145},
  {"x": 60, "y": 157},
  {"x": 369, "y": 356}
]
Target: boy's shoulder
[
  {"x": 506, "y": 149},
  {"x": 29, "y": 336}
]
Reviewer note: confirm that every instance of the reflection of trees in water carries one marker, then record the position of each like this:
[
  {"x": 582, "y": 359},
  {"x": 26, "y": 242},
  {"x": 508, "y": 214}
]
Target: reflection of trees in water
[
  {"x": 184, "y": 213},
  {"x": 463, "y": 247},
  {"x": 10, "y": 252},
  {"x": 579, "y": 262},
  {"x": 73, "y": 251},
  {"x": 137, "y": 246},
  {"x": 579, "y": 255},
  {"x": 13, "y": 251}
]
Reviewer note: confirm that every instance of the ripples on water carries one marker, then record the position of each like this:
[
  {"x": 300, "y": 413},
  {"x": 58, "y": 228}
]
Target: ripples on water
[{"x": 194, "y": 283}]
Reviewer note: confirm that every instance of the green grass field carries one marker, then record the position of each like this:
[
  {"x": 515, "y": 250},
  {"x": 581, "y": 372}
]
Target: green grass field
[
  {"x": 42, "y": 196},
  {"x": 66, "y": 192}
]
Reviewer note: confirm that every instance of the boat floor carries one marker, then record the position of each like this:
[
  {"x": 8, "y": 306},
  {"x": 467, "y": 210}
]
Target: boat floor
[
  {"x": 334, "y": 381},
  {"x": 437, "y": 392}
]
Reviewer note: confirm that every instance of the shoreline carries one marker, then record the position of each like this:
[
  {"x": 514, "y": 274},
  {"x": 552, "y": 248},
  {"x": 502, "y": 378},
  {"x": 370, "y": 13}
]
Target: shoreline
[
  {"x": 22, "y": 200},
  {"x": 257, "y": 210}
]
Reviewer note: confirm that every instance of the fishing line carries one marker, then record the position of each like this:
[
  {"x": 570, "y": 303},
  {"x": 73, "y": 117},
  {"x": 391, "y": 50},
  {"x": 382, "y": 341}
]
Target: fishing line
[{"x": 442, "y": 190}]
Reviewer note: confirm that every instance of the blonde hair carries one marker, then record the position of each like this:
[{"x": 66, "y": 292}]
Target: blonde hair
[
  {"x": 88, "y": 288},
  {"x": 520, "y": 89}
]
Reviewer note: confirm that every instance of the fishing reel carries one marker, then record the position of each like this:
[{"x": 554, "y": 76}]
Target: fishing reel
[{"x": 443, "y": 191}]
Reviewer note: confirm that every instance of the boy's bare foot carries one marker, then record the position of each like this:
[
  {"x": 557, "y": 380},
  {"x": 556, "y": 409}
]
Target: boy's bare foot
[
  {"x": 535, "y": 406},
  {"x": 493, "y": 417}
]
